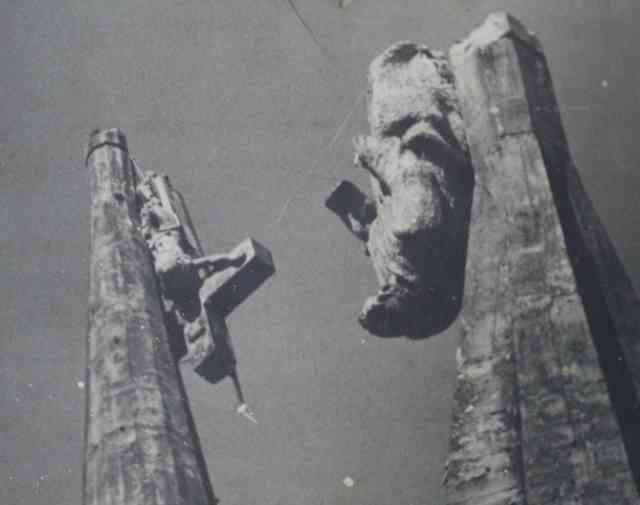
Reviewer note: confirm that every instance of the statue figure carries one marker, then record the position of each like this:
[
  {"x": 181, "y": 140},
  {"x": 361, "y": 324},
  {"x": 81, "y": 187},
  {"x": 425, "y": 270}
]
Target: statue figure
[
  {"x": 198, "y": 291},
  {"x": 180, "y": 272},
  {"x": 415, "y": 225}
]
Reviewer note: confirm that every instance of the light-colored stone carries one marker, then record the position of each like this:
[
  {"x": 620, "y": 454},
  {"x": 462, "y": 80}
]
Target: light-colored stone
[{"x": 415, "y": 224}]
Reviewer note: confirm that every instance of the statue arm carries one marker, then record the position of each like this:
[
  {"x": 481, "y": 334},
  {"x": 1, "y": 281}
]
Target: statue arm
[{"x": 369, "y": 152}]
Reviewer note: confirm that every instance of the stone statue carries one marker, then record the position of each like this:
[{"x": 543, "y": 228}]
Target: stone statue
[{"x": 415, "y": 225}]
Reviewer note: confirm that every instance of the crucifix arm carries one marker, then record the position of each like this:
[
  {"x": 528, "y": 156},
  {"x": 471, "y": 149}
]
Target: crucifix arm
[
  {"x": 217, "y": 262},
  {"x": 353, "y": 208}
]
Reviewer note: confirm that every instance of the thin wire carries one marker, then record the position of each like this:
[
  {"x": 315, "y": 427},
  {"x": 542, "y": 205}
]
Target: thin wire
[
  {"x": 315, "y": 163},
  {"x": 306, "y": 25}
]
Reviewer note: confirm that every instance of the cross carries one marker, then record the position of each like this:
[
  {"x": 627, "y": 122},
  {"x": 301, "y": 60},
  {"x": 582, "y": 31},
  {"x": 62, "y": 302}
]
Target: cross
[{"x": 198, "y": 291}]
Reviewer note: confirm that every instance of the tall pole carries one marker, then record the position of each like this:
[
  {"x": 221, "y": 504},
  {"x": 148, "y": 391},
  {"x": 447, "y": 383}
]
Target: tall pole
[
  {"x": 141, "y": 447},
  {"x": 547, "y": 366}
]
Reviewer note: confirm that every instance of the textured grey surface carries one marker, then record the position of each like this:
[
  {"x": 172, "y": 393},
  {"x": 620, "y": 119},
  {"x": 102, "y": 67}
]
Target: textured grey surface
[
  {"x": 236, "y": 102},
  {"x": 140, "y": 435},
  {"x": 414, "y": 223},
  {"x": 533, "y": 421}
]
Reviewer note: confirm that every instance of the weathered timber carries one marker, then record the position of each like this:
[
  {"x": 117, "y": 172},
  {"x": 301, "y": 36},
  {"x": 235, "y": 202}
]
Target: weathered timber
[
  {"x": 415, "y": 226},
  {"x": 609, "y": 299},
  {"x": 533, "y": 421},
  {"x": 141, "y": 444}
]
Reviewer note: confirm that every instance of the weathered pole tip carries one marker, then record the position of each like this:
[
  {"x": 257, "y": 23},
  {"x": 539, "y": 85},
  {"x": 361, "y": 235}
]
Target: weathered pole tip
[
  {"x": 106, "y": 137},
  {"x": 496, "y": 26}
]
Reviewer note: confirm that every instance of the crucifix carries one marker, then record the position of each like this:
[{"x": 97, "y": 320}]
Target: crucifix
[
  {"x": 154, "y": 300},
  {"x": 198, "y": 290}
]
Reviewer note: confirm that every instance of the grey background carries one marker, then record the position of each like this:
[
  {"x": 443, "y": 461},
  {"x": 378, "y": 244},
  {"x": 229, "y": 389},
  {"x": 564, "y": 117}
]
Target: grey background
[{"x": 253, "y": 121}]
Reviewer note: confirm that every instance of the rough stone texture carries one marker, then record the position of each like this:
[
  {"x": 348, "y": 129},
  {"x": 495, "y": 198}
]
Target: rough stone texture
[
  {"x": 415, "y": 225},
  {"x": 141, "y": 445},
  {"x": 198, "y": 291},
  {"x": 533, "y": 419},
  {"x": 609, "y": 300}
]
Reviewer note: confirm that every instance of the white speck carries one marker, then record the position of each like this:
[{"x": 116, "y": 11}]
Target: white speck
[
  {"x": 459, "y": 357},
  {"x": 605, "y": 84},
  {"x": 469, "y": 409},
  {"x": 17, "y": 399},
  {"x": 11, "y": 477},
  {"x": 80, "y": 384},
  {"x": 243, "y": 410},
  {"x": 494, "y": 110},
  {"x": 363, "y": 341},
  {"x": 348, "y": 481},
  {"x": 30, "y": 385}
]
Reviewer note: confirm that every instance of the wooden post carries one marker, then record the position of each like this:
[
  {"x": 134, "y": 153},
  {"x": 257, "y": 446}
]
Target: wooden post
[
  {"x": 141, "y": 445},
  {"x": 549, "y": 352}
]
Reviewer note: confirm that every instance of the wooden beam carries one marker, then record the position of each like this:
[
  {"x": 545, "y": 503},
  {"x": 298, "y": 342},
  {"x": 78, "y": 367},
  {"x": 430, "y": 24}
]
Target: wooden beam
[
  {"x": 534, "y": 422},
  {"x": 141, "y": 446}
]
